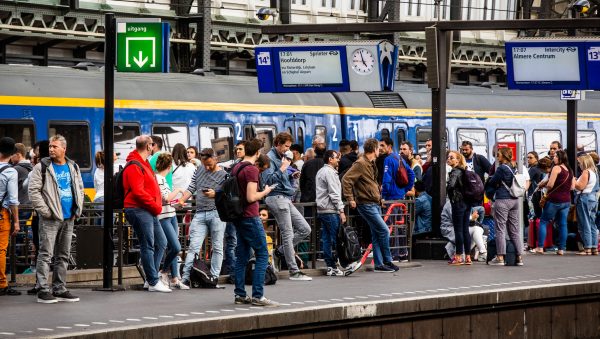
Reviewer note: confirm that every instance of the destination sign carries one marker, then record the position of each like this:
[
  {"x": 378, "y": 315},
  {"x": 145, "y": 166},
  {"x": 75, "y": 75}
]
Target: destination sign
[{"x": 311, "y": 68}]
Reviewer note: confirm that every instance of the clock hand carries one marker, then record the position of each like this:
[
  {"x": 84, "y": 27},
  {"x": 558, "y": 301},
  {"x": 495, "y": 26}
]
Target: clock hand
[{"x": 363, "y": 59}]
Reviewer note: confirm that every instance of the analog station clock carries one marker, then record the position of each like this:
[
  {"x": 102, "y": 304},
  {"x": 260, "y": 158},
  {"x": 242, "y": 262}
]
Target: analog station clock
[{"x": 363, "y": 61}]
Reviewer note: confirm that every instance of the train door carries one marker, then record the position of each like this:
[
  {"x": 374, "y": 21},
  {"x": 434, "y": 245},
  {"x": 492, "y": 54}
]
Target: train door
[
  {"x": 395, "y": 130},
  {"x": 297, "y": 128}
]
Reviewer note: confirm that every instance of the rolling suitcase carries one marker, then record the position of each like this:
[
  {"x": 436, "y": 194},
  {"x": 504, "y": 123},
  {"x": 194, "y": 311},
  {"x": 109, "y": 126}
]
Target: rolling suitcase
[{"x": 534, "y": 226}]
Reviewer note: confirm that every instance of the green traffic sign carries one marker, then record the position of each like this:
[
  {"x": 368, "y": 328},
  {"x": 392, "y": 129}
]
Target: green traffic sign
[{"x": 140, "y": 47}]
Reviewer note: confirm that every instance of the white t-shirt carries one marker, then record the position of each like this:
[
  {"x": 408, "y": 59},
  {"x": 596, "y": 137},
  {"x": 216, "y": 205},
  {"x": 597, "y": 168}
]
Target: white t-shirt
[
  {"x": 182, "y": 175},
  {"x": 99, "y": 183},
  {"x": 167, "y": 210}
]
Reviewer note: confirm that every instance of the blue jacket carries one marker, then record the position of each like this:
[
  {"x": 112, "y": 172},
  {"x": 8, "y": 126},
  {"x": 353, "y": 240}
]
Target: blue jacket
[
  {"x": 422, "y": 213},
  {"x": 273, "y": 175},
  {"x": 389, "y": 190},
  {"x": 503, "y": 173}
]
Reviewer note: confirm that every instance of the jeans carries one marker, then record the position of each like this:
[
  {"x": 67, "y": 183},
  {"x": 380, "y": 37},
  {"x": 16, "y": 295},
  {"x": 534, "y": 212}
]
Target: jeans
[
  {"x": 99, "y": 221},
  {"x": 171, "y": 229},
  {"x": 380, "y": 232},
  {"x": 587, "y": 205},
  {"x": 152, "y": 241},
  {"x": 461, "y": 213},
  {"x": 330, "y": 223},
  {"x": 480, "y": 211},
  {"x": 506, "y": 213},
  {"x": 250, "y": 236},
  {"x": 292, "y": 225},
  {"x": 55, "y": 240},
  {"x": 230, "y": 243},
  {"x": 201, "y": 224},
  {"x": 558, "y": 212}
]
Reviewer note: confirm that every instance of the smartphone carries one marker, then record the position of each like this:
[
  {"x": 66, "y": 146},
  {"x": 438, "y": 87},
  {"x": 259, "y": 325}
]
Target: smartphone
[
  {"x": 205, "y": 190},
  {"x": 273, "y": 186}
]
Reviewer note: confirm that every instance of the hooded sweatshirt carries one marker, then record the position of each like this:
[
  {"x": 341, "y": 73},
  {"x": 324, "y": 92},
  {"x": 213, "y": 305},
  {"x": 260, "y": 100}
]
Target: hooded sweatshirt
[{"x": 141, "y": 189}]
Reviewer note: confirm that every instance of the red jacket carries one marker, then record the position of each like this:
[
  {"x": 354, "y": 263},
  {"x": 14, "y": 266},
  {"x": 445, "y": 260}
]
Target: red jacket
[{"x": 141, "y": 189}]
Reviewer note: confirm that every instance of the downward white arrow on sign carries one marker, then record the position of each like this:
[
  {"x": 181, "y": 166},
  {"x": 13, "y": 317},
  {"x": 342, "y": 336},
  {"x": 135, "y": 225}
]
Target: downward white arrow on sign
[{"x": 140, "y": 61}]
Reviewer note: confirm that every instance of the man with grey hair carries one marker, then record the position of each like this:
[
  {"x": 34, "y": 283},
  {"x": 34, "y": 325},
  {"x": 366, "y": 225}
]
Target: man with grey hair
[{"x": 56, "y": 193}]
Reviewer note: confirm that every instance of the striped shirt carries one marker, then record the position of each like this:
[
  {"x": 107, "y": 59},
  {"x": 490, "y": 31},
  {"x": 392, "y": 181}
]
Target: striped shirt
[{"x": 204, "y": 179}]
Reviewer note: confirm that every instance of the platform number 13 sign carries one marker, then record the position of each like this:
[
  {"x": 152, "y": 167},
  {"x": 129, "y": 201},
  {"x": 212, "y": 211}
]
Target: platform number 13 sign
[
  {"x": 264, "y": 59},
  {"x": 594, "y": 54}
]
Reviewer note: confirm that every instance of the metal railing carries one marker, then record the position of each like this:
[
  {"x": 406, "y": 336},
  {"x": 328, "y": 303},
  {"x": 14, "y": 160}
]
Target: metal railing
[{"x": 86, "y": 249}]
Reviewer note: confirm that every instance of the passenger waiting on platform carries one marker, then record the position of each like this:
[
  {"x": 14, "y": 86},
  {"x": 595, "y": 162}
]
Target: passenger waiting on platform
[
  {"x": 389, "y": 189},
  {"x": 558, "y": 201},
  {"x": 361, "y": 190},
  {"x": 206, "y": 180},
  {"x": 330, "y": 209},
  {"x": 309, "y": 173},
  {"x": 9, "y": 208},
  {"x": 192, "y": 155},
  {"x": 554, "y": 147},
  {"x": 586, "y": 187},
  {"x": 250, "y": 231},
  {"x": 406, "y": 151},
  {"x": 544, "y": 165},
  {"x": 23, "y": 168},
  {"x": 297, "y": 161},
  {"x": 168, "y": 222},
  {"x": 142, "y": 205},
  {"x": 56, "y": 193},
  {"x": 461, "y": 209},
  {"x": 475, "y": 162},
  {"x": 344, "y": 148},
  {"x": 422, "y": 210},
  {"x": 308, "y": 154},
  {"x": 349, "y": 158},
  {"x": 427, "y": 164},
  {"x": 506, "y": 207},
  {"x": 475, "y": 232},
  {"x": 183, "y": 169},
  {"x": 268, "y": 227},
  {"x": 294, "y": 228},
  {"x": 157, "y": 148}
]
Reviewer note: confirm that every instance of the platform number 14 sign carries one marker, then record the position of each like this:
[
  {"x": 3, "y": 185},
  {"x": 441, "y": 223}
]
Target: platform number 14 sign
[{"x": 264, "y": 59}]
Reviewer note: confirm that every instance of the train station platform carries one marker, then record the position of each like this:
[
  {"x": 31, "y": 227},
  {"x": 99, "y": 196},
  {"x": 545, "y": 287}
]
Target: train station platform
[{"x": 550, "y": 297}]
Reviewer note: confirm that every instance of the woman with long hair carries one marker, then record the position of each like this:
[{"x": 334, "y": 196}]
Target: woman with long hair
[
  {"x": 461, "y": 210},
  {"x": 506, "y": 207},
  {"x": 183, "y": 169},
  {"x": 586, "y": 187},
  {"x": 192, "y": 155},
  {"x": 558, "y": 200}
]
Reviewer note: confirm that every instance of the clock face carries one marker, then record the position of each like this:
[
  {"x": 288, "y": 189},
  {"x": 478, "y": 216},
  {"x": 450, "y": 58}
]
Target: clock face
[{"x": 363, "y": 61}]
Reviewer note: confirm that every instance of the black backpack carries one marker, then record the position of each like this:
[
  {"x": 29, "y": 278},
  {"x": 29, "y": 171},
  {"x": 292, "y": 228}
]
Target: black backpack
[
  {"x": 472, "y": 187},
  {"x": 119, "y": 190},
  {"x": 270, "y": 275},
  {"x": 348, "y": 246},
  {"x": 200, "y": 276},
  {"x": 230, "y": 205}
]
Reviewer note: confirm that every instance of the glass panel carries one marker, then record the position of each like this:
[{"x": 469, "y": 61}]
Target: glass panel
[
  {"x": 542, "y": 140},
  {"x": 510, "y": 135},
  {"x": 266, "y": 134},
  {"x": 171, "y": 135},
  {"x": 219, "y": 138},
  {"x": 300, "y": 137},
  {"x": 78, "y": 142},
  {"x": 587, "y": 139},
  {"x": 385, "y": 133},
  {"x": 124, "y": 141},
  {"x": 22, "y": 132},
  {"x": 478, "y": 137},
  {"x": 423, "y": 134},
  {"x": 401, "y": 135},
  {"x": 322, "y": 131}
]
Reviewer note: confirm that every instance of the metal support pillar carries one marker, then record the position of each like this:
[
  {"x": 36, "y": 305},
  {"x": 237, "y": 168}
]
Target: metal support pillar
[
  {"x": 3, "y": 44},
  {"x": 572, "y": 116},
  {"x": 42, "y": 50},
  {"x": 285, "y": 11},
  {"x": 203, "y": 35}
]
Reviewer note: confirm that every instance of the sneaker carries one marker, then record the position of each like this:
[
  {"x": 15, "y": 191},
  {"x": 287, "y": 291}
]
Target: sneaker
[
  {"x": 299, "y": 276},
  {"x": 159, "y": 287},
  {"x": 9, "y": 291},
  {"x": 482, "y": 257},
  {"x": 264, "y": 302},
  {"x": 33, "y": 291},
  {"x": 383, "y": 269},
  {"x": 146, "y": 285},
  {"x": 392, "y": 266},
  {"x": 179, "y": 285},
  {"x": 456, "y": 260},
  {"x": 46, "y": 298},
  {"x": 497, "y": 262},
  {"x": 186, "y": 282},
  {"x": 519, "y": 261},
  {"x": 334, "y": 272},
  {"x": 164, "y": 277},
  {"x": 66, "y": 296},
  {"x": 239, "y": 300}
]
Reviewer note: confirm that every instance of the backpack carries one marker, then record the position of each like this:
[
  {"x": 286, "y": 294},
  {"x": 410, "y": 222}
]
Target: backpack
[
  {"x": 200, "y": 276},
  {"x": 472, "y": 187},
  {"x": 230, "y": 205},
  {"x": 348, "y": 246},
  {"x": 517, "y": 187},
  {"x": 119, "y": 190},
  {"x": 270, "y": 275},
  {"x": 401, "y": 174}
]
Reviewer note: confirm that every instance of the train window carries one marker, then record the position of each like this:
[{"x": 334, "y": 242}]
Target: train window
[
  {"x": 542, "y": 140},
  {"x": 478, "y": 137},
  {"x": 264, "y": 132},
  {"x": 385, "y": 133},
  {"x": 219, "y": 138},
  {"x": 77, "y": 135},
  {"x": 171, "y": 134},
  {"x": 401, "y": 135},
  {"x": 512, "y": 135},
  {"x": 322, "y": 131},
  {"x": 124, "y": 141},
  {"x": 300, "y": 137},
  {"x": 424, "y": 134},
  {"x": 587, "y": 139},
  {"x": 21, "y": 131},
  {"x": 290, "y": 131}
]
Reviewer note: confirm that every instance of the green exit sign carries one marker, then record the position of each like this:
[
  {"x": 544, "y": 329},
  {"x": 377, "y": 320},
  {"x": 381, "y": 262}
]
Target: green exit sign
[{"x": 142, "y": 47}]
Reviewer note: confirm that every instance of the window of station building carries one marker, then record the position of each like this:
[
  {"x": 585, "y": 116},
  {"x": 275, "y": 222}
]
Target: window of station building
[
  {"x": 21, "y": 131},
  {"x": 124, "y": 140},
  {"x": 171, "y": 134},
  {"x": 77, "y": 135},
  {"x": 542, "y": 140},
  {"x": 219, "y": 138},
  {"x": 513, "y": 135},
  {"x": 587, "y": 139},
  {"x": 478, "y": 137}
]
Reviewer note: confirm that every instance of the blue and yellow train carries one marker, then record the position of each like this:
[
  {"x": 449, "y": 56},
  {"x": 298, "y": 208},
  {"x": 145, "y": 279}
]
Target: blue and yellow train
[{"x": 218, "y": 111}]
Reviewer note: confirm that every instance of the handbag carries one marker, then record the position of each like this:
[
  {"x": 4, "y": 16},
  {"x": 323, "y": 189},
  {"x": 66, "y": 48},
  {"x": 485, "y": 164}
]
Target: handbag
[{"x": 544, "y": 198}]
